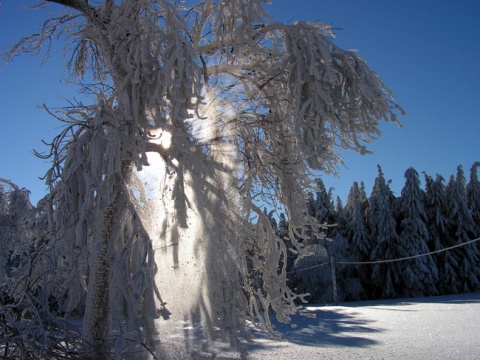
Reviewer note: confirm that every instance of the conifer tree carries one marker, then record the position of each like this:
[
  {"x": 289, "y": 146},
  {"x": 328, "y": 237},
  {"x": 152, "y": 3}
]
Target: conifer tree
[
  {"x": 360, "y": 243},
  {"x": 4, "y": 238},
  {"x": 355, "y": 222},
  {"x": 340, "y": 214},
  {"x": 462, "y": 230},
  {"x": 448, "y": 264},
  {"x": 282, "y": 232},
  {"x": 386, "y": 277},
  {"x": 317, "y": 280},
  {"x": 3, "y": 203},
  {"x": 473, "y": 197},
  {"x": 322, "y": 208},
  {"x": 349, "y": 287},
  {"x": 321, "y": 205},
  {"x": 419, "y": 274},
  {"x": 283, "y": 227},
  {"x": 363, "y": 196},
  {"x": 271, "y": 218}
]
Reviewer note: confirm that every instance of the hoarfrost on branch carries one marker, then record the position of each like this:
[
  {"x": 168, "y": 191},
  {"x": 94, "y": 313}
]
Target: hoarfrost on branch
[{"x": 252, "y": 109}]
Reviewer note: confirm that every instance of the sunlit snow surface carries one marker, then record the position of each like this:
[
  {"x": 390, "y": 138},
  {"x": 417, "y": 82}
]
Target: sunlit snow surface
[{"x": 446, "y": 327}]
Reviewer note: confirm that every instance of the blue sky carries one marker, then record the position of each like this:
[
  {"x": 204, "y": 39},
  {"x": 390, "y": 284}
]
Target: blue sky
[{"x": 426, "y": 51}]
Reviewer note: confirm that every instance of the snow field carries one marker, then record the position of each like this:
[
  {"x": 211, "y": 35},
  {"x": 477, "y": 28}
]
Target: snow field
[{"x": 446, "y": 327}]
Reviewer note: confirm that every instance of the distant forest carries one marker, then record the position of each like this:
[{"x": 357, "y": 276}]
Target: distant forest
[
  {"x": 382, "y": 227},
  {"x": 370, "y": 230}
]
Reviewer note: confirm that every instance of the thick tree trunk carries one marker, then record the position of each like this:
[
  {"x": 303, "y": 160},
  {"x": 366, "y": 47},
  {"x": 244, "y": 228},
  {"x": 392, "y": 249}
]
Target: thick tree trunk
[{"x": 97, "y": 321}]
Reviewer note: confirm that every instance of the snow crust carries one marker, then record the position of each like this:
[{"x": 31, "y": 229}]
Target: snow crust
[{"x": 444, "y": 327}]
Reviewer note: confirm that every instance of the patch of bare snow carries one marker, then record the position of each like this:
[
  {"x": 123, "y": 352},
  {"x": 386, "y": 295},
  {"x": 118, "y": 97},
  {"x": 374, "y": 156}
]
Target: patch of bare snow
[{"x": 445, "y": 327}]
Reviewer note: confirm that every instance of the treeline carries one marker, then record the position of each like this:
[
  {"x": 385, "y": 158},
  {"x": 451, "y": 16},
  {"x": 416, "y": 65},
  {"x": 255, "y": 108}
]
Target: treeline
[{"x": 370, "y": 230}]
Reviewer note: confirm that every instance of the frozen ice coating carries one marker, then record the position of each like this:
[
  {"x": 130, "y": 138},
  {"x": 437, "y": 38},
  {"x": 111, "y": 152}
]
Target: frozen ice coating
[{"x": 229, "y": 110}]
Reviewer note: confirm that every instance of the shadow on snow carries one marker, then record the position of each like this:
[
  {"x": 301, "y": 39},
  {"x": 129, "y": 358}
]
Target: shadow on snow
[{"x": 332, "y": 326}]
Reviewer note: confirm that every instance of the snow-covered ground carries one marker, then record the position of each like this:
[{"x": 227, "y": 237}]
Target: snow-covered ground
[{"x": 446, "y": 327}]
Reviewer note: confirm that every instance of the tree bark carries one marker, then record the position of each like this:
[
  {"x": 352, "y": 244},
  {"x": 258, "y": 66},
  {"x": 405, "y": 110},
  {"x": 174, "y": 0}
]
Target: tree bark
[
  {"x": 97, "y": 321},
  {"x": 80, "y": 5}
]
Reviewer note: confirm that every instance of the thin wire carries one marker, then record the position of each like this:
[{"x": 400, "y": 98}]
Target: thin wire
[
  {"x": 387, "y": 261},
  {"x": 308, "y": 268},
  {"x": 409, "y": 257}
]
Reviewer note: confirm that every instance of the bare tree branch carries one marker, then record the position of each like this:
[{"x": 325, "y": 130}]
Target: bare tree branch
[{"x": 80, "y": 5}]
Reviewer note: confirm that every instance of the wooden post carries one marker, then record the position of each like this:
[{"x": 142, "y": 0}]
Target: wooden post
[{"x": 334, "y": 280}]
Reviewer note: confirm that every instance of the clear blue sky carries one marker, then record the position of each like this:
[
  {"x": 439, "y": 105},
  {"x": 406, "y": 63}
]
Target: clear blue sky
[{"x": 426, "y": 51}]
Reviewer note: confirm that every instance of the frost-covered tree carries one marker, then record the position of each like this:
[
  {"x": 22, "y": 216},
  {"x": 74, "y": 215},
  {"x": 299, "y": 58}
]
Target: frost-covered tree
[
  {"x": 419, "y": 274},
  {"x": 29, "y": 329},
  {"x": 3, "y": 203},
  {"x": 355, "y": 222},
  {"x": 363, "y": 196},
  {"x": 448, "y": 263},
  {"x": 340, "y": 213},
  {"x": 473, "y": 197},
  {"x": 309, "y": 277},
  {"x": 321, "y": 207},
  {"x": 350, "y": 287},
  {"x": 17, "y": 239},
  {"x": 329, "y": 242},
  {"x": 386, "y": 276},
  {"x": 360, "y": 243},
  {"x": 270, "y": 216},
  {"x": 283, "y": 234},
  {"x": 235, "y": 110},
  {"x": 5, "y": 238},
  {"x": 462, "y": 230},
  {"x": 312, "y": 274}
]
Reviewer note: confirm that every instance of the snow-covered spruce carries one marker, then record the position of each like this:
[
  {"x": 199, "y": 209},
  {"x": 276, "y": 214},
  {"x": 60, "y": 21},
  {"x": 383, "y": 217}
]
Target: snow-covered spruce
[
  {"x": 473, "y": 197},
  {"x": 419, "y": 275},
  {"x": 386, "y": 277},
  {"x": 461, "y": 230}
]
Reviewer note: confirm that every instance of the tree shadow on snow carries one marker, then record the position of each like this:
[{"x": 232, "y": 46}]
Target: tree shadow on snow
[{"x": 330, "y": 327}]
